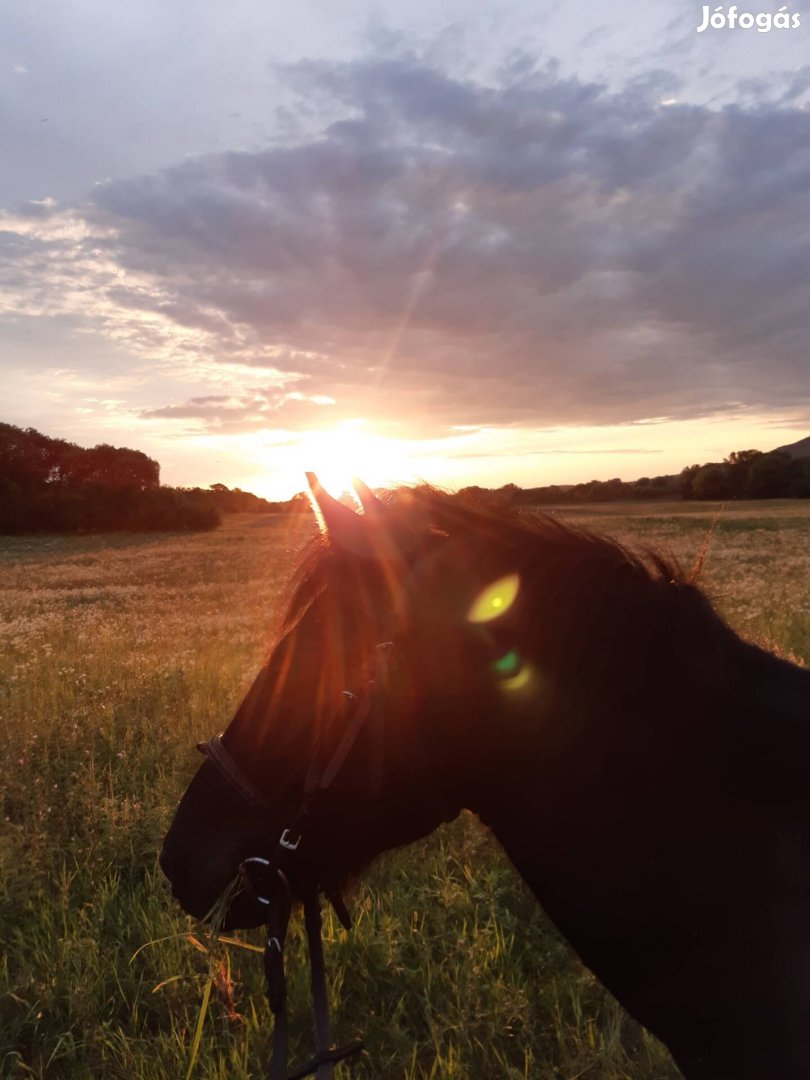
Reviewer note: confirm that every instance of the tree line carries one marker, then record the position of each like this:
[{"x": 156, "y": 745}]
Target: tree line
[
  {"x": 748, "y": 474},
  {"x": 744, "y": 474},
  {"x": 52, "y": 485}
]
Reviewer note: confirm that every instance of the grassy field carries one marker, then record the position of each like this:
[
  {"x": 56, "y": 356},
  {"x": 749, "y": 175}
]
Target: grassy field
[{"x": 117, "y": 653}]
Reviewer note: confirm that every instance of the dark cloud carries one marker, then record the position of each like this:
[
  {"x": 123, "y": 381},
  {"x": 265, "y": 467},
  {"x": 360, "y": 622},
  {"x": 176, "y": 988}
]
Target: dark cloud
[{"x": 538, "y": 250}]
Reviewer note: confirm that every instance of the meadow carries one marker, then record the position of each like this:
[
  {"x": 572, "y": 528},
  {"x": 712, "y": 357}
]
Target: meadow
[{"x": 117, "y": 653}]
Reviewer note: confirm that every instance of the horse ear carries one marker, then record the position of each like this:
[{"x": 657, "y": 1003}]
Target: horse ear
[
  {"x": 343, "y": 526},
  {"x": 372, "y": 506}
]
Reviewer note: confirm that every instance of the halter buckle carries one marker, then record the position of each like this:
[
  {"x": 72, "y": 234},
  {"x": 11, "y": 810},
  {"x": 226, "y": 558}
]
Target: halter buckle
[{"x": 286, "y": 842}]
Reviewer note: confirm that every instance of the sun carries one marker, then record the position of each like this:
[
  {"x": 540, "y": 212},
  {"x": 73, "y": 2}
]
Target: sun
[
  {"x": 339, "y": 455},
  {"x": 336, "y": 455}
]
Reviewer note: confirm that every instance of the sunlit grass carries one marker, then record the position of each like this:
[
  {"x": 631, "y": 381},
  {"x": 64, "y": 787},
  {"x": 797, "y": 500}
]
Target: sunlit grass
[
  {"x": 116, "y": 656},
  {"x": 756, "y": 570}
]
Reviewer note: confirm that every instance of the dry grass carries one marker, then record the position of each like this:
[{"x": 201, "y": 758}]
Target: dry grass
[{"x": 757, "y": 567}]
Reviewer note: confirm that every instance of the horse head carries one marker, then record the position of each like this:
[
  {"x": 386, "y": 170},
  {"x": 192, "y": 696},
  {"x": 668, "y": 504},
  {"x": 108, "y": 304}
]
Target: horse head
[{"x": 360, "y": 733}]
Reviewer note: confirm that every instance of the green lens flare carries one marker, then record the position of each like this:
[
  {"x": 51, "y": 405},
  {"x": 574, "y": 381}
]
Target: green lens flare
[
  {"x": 508, "y": 664},
  {"x": 496, "y": 599}
]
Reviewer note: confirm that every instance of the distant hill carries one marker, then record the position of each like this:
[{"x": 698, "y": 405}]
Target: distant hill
[{"x": 796, "y": 449}]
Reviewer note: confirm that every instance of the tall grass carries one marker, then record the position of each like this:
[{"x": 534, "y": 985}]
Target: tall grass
[{"x": 116, "y": 655}]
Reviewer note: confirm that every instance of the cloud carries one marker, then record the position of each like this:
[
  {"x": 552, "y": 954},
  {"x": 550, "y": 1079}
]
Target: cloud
[
  {"x": 533, "y": 250},
  {"x": 555, "y": 451},
  {"x": 229, "y": 413}
]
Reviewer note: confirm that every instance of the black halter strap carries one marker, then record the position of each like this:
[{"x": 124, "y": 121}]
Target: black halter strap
[
  {"x": 214, "y": 748},
  {"x": 271, "y": 887}
]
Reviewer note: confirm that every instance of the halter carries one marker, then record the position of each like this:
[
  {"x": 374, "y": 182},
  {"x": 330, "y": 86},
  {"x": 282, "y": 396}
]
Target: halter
[{"x": 271, "y": 887}]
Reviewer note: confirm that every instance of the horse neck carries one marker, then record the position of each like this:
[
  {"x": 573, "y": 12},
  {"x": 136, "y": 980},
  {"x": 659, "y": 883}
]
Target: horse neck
[
  {"x": 645, "y": 674},
  {"x": 697, "y": 776},
  {"x": 772, "y": 710}
]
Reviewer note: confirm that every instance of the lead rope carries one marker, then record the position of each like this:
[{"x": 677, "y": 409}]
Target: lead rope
[
  {"x": 320, "y": 994},
  {"x": 275, "y": 977},
  {"x": 327, "y": 1055}
]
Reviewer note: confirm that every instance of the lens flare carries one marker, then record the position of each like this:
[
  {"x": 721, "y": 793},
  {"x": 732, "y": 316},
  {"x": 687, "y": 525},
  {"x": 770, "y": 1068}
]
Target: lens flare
[
  {"x": 495, "y": 600},
  {"x": 508, "y": 664},
  {"x": 512, "y": 672},
  {"x": 518, "y": 681}
]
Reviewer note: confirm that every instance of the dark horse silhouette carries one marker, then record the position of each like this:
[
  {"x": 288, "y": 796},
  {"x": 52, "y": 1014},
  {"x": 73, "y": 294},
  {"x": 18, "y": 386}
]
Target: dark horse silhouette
[{"x": 644, "y": 767}]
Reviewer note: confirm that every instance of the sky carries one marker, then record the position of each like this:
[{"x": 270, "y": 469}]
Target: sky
[{"x": 537, "y": 243}]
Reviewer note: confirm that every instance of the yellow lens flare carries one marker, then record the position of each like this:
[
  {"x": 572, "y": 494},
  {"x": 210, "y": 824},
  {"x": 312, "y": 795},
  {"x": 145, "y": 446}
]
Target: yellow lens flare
[
  {"x": 495, "y": 600},
  {"x": 517, "y": 682}
]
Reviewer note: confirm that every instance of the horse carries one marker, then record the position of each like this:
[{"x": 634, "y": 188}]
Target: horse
[{"x": 645, "y": 768}]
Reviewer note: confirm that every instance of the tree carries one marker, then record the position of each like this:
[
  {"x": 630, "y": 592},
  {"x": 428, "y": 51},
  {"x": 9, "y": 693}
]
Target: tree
[
  {"x": 769, "y": 476},
  {"x": 686, "y": 481},
  {"x": 738, "y": 467},
  {"x": 508, "y": 493},
  {"x": 119, "y": 467},
  {"x": 711, "y": 482},
  {"x": 799, "y": 477},
  {"x": 742, "y": 457}
]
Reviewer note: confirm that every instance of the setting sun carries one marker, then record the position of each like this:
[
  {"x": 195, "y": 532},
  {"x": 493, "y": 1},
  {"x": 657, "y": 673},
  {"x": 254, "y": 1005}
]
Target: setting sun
[{"x": 337, "y": 455}]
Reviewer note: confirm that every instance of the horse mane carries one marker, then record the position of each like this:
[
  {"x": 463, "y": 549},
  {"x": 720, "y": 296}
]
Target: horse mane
[
  {"x": 485, "y": 520},
  {"x": 529, "y": 531}
]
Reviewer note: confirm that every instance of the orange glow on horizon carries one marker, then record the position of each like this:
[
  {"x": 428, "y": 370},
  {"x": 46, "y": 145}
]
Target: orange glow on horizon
[{"x": 272, "y": 462}]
